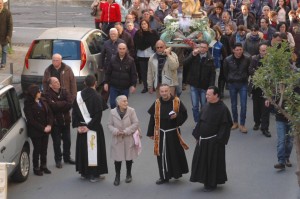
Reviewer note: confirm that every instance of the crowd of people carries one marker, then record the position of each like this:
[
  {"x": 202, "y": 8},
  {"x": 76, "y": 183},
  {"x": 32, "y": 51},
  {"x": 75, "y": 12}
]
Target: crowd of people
[{"x": 134, "y": 53}]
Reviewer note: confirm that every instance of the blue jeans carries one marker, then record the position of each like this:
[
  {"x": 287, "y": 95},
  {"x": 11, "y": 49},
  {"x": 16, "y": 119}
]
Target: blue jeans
[
  {"x": 4, "y": 53},
  {"x": 198, "y": 95},
  {"x": 179, "y": 87},
  {"x": 234, "y": 90},
  {"x": 114, "y": 93},
  {"x": 284, "y": 141}
]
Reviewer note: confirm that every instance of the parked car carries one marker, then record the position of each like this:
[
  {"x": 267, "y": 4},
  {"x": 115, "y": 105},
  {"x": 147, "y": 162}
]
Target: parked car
[
  {"x": 14, "y": 142},
  {"x": 80, "y": 49}
]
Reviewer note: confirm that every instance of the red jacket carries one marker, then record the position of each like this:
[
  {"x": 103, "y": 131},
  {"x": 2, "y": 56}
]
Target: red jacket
[{"x": 110, "y": 12}]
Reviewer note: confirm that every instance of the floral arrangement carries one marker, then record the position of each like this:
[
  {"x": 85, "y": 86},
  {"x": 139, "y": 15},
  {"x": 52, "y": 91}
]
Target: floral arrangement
[{"x": 187, "y": 30}]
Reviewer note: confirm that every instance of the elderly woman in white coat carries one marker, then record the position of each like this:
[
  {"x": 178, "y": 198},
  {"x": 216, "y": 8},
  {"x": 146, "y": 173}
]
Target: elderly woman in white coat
[{"x": 122, "y": 123}]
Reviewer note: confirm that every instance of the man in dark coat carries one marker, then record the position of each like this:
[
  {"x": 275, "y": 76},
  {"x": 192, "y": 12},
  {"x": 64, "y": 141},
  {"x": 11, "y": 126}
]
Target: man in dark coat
[
  {"x": 60, "y": 102},
  {"x": 261, "y": 113},
  {"x": 121, "y": 75},
  {"x": 202, "y": 74},
  {"x": 110, "y": 48},
  {"x": 212, "y": 134},
  {"x": 6, "y": 28},
  {"x": 166, "y": 115},
  {"x": 94, "y": 105},
  {"x": 63, "y": 73}
]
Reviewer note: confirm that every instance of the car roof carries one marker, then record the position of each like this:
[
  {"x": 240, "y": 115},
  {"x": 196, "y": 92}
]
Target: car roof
[{"x": 69, "y": 33}]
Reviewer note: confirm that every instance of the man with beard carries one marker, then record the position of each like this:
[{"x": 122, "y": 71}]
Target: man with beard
[
  {"x": 167, "y": 114},
  {"x": 212, "y": 134},
  {"x": 90, "y": 144}
]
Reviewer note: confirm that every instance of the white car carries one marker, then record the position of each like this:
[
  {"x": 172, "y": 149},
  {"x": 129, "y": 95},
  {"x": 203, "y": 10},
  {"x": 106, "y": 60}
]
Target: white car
[
  {"x": 79, "y": 47},
  {"x": 14, "y": 142}
]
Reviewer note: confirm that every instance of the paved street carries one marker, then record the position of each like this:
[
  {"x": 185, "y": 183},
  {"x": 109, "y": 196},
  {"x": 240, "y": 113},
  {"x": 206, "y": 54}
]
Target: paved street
[
  {"x": 250, "y": 160},
  {"x": 250, "y": 157}
]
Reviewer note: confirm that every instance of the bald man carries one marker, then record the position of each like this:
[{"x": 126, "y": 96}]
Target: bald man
[
  {"x": 60, "y": 102},
  {"x": 162, "y": 69},
  {"x": 108, "y": 50},
  {"x": 121, "y": 75},
  {"x": 63, "y": 73}
]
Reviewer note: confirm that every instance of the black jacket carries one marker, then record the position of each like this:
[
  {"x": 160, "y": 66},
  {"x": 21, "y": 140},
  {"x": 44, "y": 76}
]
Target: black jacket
[
  {"x": 251, "y": 20},
  {"x": 60, "y": 104},
  {"x": 121, "y": 74},
  {"x": 235, "y": 72},
  {"x": 108, "y": 50},
  {"x": 37, "y": 117},
  {"x": 200, "y": 76}
]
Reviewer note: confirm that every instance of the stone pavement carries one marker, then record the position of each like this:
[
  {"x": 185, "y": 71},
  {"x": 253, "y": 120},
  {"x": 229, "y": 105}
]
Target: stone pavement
[{"x": 16, "y": 58}]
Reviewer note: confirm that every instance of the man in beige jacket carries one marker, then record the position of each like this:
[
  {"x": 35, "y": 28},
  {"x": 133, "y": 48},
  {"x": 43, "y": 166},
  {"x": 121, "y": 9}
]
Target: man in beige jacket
[{"x": 162, "y": 68}]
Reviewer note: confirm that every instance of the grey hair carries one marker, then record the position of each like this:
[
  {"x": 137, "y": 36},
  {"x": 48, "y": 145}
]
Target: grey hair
[
  {"x": 113, "y": 30},
  {"x": 118, "y": 99}
]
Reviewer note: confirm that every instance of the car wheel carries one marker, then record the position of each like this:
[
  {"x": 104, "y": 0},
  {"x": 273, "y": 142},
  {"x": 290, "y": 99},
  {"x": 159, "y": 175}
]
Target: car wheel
[{"x": 22, "y": 170}]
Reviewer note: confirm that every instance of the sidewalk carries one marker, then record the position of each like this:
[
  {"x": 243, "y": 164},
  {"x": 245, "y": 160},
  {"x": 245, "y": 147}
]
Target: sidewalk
[{"x": 17, "y": 59}]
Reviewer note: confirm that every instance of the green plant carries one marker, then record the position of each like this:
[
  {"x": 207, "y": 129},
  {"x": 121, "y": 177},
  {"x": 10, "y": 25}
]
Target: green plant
[{"x": 280, "y": 83}]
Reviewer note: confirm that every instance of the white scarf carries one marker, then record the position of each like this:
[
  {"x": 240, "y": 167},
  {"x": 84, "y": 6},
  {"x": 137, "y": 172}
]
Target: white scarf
[{"x": 91, "y": 135}]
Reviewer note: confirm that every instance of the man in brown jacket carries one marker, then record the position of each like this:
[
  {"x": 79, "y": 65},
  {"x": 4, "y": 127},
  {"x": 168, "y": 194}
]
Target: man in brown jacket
[
  {"x": 6, "y": 27},
  {"x": 63, "y": 73}
]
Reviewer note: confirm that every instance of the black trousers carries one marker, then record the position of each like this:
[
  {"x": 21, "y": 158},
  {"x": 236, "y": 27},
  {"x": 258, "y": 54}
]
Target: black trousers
[
  {"x": 40, "y": 146},
  {"x": 143, "y": 61},
  {"x": 61, "y": 133},
  {"x": 261, "y": 113}
]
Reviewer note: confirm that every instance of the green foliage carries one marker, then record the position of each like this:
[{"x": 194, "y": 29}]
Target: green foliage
[{"x": 278, "y": 81}]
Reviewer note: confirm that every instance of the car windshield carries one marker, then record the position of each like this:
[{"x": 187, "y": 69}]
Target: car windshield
[{"x": 44, "y": 49}]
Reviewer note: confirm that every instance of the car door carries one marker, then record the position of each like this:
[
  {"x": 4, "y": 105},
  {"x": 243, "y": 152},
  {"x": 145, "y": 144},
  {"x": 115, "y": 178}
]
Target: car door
[{"x": 12, "y": 135}]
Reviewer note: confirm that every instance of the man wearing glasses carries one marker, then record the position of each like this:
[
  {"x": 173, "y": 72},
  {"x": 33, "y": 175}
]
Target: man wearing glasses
[{"x": 162, "y": 69}]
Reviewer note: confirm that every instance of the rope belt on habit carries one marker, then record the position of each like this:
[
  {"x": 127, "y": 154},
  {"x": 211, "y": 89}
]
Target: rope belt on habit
[
  {"x": 164, "y": 154},
  {"x": 206, "y": 138}
]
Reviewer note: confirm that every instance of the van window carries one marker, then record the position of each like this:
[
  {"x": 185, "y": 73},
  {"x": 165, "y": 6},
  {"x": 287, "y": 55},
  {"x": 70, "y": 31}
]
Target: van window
[
  {"x": 44, "y": 49},
  {"x": 95, "y": 42}
]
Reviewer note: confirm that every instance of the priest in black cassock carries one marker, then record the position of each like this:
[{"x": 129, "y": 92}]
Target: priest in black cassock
[
  {"x": 167, "y": 114},
  {"x": 212, "y": 134},
  {"x": 95, "y": 106}
]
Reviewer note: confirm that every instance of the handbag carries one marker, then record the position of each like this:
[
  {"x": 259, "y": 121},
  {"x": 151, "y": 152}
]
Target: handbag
[
  {"x": 94, "y": 10},
  {"x": 137, "y": 140}
]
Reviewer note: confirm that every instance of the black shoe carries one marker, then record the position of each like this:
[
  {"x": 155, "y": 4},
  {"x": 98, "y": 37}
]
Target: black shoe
[
  {"x": 161, "y": 181},
  {"x": 288, "y": 163},
  {"x": 279, "y": 166},
  {"x": 37, "y": 172},
  {"x": 145, "y": 90},
  {"x": 266, "y": 133},
  {"x": 70, "y": 161},
  {"x": 46, "y": 170},
  {"x": 58, "y": 165},
  {"x": 256, "y": 127},
  {"x": 209, "y": 188},
  {"x": 117, "y": 181},
  {"x": 128, "y": 179}
]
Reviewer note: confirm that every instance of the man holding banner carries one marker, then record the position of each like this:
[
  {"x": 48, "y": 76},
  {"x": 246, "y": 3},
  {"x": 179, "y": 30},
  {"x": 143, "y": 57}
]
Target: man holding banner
[{"x": 90, "y": 145}]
